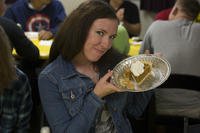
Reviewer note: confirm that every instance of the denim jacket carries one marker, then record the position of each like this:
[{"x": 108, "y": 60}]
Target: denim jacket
[{"x": 72, "y": 107}]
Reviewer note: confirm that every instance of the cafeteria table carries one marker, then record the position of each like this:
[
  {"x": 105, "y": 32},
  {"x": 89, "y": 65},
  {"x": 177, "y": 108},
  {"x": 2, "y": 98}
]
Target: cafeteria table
[
  {"x": 43, "y": 46},
  {"x": 135, "y": 44}
]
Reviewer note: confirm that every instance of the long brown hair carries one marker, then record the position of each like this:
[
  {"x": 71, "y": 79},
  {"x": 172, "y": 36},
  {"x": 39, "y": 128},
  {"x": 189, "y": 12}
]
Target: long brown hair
[
  {"x": 72, "y": 35},
  {"x": 7, "y": 63}
]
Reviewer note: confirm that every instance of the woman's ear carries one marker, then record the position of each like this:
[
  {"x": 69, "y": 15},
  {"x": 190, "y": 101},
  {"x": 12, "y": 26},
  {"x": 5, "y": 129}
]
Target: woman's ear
[{"x": 173, "y": 13}]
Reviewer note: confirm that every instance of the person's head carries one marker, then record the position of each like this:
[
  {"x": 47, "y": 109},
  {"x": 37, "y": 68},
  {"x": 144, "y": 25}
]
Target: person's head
[
  {"x": 188, "y": 9},
  {"x": 92, "y": 21},
  {"x": 7, "y": 63},
  {"x": 2, "y": 7}
]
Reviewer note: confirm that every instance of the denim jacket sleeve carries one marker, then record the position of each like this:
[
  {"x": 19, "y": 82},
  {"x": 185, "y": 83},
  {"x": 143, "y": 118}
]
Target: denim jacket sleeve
[{"x": 71, "y": 111}]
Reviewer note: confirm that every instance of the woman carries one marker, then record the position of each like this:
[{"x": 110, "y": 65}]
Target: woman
[
  {"x": 15, "y": 92},
  {"x": 75, "y": 91}
]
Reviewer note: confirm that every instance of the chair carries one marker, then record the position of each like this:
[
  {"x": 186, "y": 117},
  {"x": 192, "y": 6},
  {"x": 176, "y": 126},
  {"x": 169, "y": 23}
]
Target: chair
[{"x": 186, "y": 123}]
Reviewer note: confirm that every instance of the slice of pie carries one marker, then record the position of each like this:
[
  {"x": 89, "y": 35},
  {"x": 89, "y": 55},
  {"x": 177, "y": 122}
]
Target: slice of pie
[
  {"x": 137, "y": 72},
  {"x": 140, "y": 70}
]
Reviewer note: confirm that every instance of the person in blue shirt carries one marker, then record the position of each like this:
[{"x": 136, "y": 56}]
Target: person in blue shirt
[
  {"x": 75, "y": 88},
  {"x": 43, "y": 16},
  {"x": 15, "y": 92}
]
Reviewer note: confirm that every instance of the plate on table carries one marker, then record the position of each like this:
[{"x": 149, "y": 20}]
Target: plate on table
[{"x": 159, "y": 73}]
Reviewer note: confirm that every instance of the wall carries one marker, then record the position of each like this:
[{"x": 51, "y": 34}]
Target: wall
[
  {"x": 146, "y": 18},
  {"x": 71, "y": 4}
]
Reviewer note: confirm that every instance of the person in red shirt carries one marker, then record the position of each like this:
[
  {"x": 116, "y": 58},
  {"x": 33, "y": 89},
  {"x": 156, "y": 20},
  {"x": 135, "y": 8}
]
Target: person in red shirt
[{"x": 163, "y": 15}]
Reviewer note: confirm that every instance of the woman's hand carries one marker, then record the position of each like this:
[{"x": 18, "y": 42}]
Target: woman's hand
[
  {"x": 104, "y": 87},
  {"x": 45, "y": 35}
]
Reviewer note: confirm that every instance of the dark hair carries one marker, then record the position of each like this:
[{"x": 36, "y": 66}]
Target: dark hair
[
  {"x": 190, "y": 7},
  {"x": 73, "y": 32},
  {"x": 7, "y": 63}
]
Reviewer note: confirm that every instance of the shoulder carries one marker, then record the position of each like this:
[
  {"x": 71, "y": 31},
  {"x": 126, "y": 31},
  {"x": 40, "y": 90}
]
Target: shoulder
[{"x": 59, "y": 67}]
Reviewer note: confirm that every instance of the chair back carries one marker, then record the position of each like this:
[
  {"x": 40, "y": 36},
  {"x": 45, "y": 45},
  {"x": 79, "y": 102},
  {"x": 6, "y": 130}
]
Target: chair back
[{"x": 180, "y": 81}]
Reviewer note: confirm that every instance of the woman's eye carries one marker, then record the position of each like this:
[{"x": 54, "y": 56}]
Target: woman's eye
[
  {"x": 100, "y": 33},
  {"x": 113, "y": 37}
]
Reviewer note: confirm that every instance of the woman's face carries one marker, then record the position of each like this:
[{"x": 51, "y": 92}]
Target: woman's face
[{"x": 99, "y": 39}]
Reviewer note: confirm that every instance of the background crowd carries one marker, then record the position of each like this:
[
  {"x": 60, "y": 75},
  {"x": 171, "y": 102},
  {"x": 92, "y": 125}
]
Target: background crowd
[{"x": 72, "y": 87}]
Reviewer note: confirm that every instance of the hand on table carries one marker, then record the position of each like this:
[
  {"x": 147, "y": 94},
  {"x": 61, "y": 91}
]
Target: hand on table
[
  {"x": 104, "y": 87},
  {"x": 45, "y": 35}
]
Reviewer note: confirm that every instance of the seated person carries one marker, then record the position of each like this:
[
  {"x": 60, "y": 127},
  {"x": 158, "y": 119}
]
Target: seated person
[
  {"x": 15, "y": 92},
  {"x": 43, "y": 16},
  {"x": 128, "y": 13},
  {"x": 178, "y": 41},
  {"x": 121, "y": 42}
]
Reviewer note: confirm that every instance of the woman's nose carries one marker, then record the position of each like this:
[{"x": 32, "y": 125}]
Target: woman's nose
[{"x": 106, "y": 42}]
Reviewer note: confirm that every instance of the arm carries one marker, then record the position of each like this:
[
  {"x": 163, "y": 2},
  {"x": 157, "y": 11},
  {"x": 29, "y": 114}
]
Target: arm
[
  {"x": 24, "y": 47},
  {"x": 64, "y": 112}
]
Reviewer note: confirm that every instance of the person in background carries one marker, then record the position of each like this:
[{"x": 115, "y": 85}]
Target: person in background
[
  {"x": 75, "y": 87},
  {"x": 178, "y": 41},
  {"x": 121, "y": 42},
  {"x": 43, "y": 16},
  {"x": 15, "y": 92},
  {"x": 163, "y": 15},
  {"x": 128, "y": 14}
]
